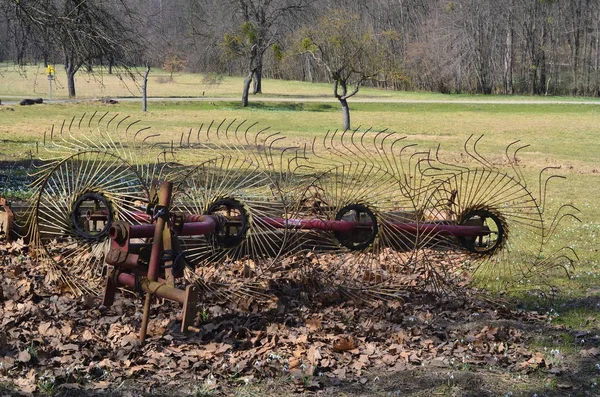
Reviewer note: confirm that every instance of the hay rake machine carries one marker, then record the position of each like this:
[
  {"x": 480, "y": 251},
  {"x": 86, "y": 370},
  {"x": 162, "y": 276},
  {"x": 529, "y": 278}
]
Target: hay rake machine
[{"x": 235, "y": 212}]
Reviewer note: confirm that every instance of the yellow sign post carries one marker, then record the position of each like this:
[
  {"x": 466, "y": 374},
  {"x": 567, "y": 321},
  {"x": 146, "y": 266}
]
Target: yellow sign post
[{"x": 50, "y": 72}]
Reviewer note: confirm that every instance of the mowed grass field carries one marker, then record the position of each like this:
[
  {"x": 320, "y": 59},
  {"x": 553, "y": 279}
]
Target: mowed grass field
[{"x": 565, "y": 136}]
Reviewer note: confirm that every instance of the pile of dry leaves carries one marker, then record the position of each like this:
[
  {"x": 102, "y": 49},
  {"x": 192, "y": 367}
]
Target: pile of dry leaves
[{"x": 50, "y": 341}]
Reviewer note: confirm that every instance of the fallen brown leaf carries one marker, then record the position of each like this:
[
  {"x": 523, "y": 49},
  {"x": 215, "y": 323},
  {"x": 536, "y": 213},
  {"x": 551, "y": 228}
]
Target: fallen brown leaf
[
  {"x": 344, "y": 343},
  {"x": 24, "y": 356}
]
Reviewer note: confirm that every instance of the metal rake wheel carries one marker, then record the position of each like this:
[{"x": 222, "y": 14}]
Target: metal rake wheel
[
  {"x": 244, "y": 199},
  {"x": 496, "y": 200},
  {"x": 77, "y": 201},
  {"x": 350, "y": 215}
]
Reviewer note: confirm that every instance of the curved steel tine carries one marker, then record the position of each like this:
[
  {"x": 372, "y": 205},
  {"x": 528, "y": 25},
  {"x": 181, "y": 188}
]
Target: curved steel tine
[
  {"x": 558, "y": 217},
  {"x": 228, "y": 127},
  {"x": 80, "y": 120},
  {"x": 247, "y": 132},
  {"x": 208, "y": 131},
  {"x": 238, "y": 128},
  {"x": 91, "y": 118},
  {"x": 130, "y": 125},
  {"x": 121, "y": 122},
  {"x": 219, "y": 128},
  {"x": 101, "y": 118},
  {"x": 544, "y": 186},
  {"x": 111, "y": 120},
  {"x": 198, "y": 133},
  {"x": 514, "y": 164}
]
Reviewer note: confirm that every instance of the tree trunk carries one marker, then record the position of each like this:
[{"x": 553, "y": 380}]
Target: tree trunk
[
  {"x": 543, "y": 89},
  {"x": 597, "y": 58},
  {"x": 246, "y": 90},
  {"x": 508, "y": 56},
  {"x": 258, "y": 80},
  {"x": 144, "y": 90},
  {"x": 71, "y": 70},
  {"x": 345, "y": 113}
]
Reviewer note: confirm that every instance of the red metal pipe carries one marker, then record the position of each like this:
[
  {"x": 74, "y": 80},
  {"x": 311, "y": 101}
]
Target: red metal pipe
[
  {"x": 157, "y": 288},
  {"x": 349, "y": 226},
  {"x": 207, "y": 225},
  {"x": 141, "y": 216},
  {"x": 123, "y": 259},
  {"x": 435, "y": 228},
  {"x": 313, "y": 224},
  {"x": 194, "y": 218}
]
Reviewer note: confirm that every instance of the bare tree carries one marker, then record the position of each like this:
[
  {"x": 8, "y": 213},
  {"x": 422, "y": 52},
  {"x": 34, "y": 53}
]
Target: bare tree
[
  {"x": 476, "y": 24},
  {"x": 537, "y": 47},
  {"x": 257, "y": 32},
  {"x": 347, "y": 49},
  {"x": 83, "y": 30}
]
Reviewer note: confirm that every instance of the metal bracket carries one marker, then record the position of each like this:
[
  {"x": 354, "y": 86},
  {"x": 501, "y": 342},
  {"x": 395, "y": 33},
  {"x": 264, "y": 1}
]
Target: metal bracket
[{"x": 190, "y": 309}]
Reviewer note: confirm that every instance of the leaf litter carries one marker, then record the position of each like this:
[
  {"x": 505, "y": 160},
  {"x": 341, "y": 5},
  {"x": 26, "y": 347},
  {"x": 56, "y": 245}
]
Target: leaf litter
[{"x": 50, "y": 341}]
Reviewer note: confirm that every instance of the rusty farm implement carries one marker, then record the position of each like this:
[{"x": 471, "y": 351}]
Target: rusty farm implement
[{"x": 234, "y": 212}]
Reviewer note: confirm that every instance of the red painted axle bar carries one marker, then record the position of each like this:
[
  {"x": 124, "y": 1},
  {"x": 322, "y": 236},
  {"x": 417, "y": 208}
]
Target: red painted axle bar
[
  {"x": 312, "y": 224},
  {"x": 349, "y": 226},
  {"x": 199, "y": 226},
  {"x": 158, "y": 288},
  {"x": 195, "y": 225},
  {"x": 434, "y": 228}
]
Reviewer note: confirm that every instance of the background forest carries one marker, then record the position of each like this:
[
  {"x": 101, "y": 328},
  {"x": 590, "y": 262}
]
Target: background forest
[{"x": 537, "y": 47}]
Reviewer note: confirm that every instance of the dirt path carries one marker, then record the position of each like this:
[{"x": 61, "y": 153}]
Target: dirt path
[{"x": 12, "y": 100}]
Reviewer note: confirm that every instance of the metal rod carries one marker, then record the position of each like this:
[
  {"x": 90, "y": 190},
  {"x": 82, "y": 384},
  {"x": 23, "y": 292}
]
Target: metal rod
[
  {"x": 157, "y": 288},
  {"x": 119, "y": 232},
  {"x": 349, "y": 226},
  {"x": 145, "y": 318},
  {"x": 164, "y": 200}
]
